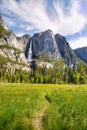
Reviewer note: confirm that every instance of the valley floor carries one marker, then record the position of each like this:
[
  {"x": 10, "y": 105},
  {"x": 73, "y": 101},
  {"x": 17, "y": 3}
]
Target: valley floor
[{"x": 43, "y": 107}]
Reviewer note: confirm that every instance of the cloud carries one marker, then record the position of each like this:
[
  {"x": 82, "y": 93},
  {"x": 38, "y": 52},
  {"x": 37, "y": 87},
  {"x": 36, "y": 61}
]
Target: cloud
[
  {"x": 71, "y": 22},
  {"x": 20, "y": 34},
  {"x": 82, "y": 41},
  {"x": 67, "y": 19},
  {"x": 26, "y": 27}
]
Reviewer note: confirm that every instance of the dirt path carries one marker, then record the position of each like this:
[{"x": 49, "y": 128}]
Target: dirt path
[{"x": 37, "y": 122}]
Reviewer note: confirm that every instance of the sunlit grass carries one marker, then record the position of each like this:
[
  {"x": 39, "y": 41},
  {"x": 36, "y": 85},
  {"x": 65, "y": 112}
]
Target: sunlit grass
[{"x": 20, "y": 103}]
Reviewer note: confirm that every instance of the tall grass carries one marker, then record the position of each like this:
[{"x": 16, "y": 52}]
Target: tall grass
[
  {"x": 20, "y": 103},
  {"x": 67, "y": 111}
]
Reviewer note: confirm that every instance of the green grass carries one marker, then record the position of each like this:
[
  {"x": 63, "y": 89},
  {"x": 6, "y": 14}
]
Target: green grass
[
  {"x": 68, "y": 110},
  {"x": 20, "y": 103}
]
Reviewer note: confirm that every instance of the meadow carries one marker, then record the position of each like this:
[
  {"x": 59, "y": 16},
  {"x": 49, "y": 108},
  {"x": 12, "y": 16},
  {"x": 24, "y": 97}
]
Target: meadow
[{"x": 43, "y": 107}]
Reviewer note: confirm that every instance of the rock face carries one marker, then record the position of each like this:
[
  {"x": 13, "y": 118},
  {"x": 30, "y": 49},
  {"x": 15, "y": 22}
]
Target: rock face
[
  {"x": 50, "y": 47},
  {"x": 23, "y": 41},
  {"x": 12, "y": 49},
  {"x": 82, "y": 53},
  {"x": 17, "y": 42},
  {"x": 9, "y": 40},
  {"x": 65, "y": 50},
  {"x": 13, "y": 54},
  {"x": 10, "y": 57},
  {"x": 44, "y": 43}
]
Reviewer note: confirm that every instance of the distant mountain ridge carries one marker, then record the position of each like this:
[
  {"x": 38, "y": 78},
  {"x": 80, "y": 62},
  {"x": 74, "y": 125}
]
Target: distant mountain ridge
[{"x": 82, "y": 53}]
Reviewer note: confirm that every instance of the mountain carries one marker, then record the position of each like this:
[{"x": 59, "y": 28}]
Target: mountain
[
  {"x": 45, "y": 46},
  {"x": 11, "y": 52},
  {"x": 82, "y": 53},
  {"x": 42, "y": 48},
  {"x": 65, "y": 50}
]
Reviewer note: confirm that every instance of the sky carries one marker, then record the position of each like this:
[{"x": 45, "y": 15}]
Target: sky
[{"x": 65, "y": 17}]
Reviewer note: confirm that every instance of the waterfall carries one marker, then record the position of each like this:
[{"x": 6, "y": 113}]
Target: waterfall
[{"x": 30, "y": 52}]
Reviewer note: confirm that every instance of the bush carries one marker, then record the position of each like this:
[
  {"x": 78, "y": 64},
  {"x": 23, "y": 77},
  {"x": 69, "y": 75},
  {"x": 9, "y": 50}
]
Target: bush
[{"x": 3, "y": 31}]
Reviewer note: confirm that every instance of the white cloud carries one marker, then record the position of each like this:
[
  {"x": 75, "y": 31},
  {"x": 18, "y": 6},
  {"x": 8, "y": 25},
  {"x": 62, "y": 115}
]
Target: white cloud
[
  {"x": 82, "y": 41},
  {"x": 35, "y": 13},
  {"x": 73, "y": 21},
  {"x": 20, "y": 34},
  {"x": 26, "y": 27}
]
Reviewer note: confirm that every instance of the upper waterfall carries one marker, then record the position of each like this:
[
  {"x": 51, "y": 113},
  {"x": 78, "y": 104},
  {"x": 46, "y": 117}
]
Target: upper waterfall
[{"x": 30, "y": 51}]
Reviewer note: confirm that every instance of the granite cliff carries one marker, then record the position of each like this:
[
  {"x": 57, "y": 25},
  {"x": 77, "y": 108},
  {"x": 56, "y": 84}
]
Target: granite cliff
[
  {"x": 11, "y": 52},
  {"x": 49, "y": 47}
]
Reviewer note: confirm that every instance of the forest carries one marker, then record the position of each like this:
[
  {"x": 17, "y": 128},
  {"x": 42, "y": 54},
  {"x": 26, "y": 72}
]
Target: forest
[{"x": 59, "y": 74}]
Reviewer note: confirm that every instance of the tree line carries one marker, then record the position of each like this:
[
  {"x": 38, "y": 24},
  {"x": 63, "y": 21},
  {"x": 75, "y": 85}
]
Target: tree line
[{"x": 59, "y": 74}]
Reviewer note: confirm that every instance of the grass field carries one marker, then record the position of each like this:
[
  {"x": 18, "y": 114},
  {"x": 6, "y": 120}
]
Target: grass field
[{"x": 43, "y": 107}]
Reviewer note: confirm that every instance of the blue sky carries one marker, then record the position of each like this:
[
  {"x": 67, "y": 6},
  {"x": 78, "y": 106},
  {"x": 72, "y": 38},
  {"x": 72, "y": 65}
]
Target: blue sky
[{"x": 66, "y": 17}]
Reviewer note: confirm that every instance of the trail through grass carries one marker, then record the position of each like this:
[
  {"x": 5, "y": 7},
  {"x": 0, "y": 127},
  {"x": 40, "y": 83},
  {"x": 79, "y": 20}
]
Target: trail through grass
[
  {"x": 38, "y": 121},
  {"x": 43, "y": 107}
]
